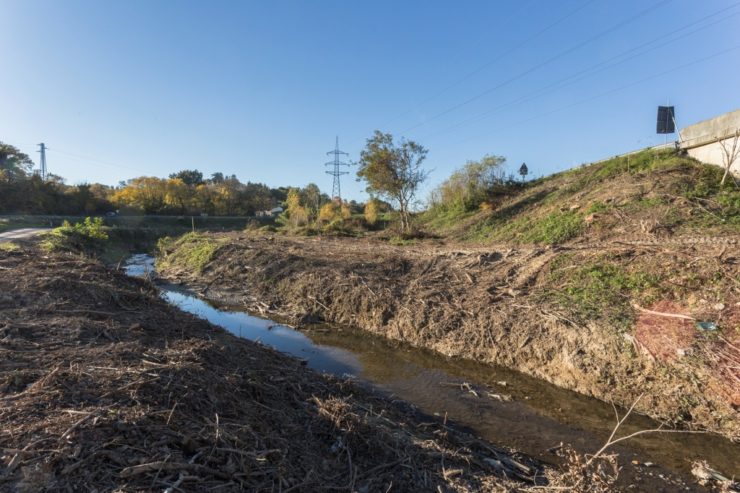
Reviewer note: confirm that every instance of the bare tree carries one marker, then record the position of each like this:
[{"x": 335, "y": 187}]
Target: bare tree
[{"x": 730, "y": 152}]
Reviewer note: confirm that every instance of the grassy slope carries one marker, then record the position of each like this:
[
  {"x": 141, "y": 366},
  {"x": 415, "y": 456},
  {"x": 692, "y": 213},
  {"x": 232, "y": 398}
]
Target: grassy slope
[{"x": 659, "y": 193}]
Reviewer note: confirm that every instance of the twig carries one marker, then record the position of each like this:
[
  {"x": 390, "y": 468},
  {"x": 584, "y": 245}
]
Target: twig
[{"x": 661, "y": 314}]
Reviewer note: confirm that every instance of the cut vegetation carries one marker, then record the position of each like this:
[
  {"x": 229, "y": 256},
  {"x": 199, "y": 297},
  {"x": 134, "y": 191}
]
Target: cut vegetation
[
  {"x": 105, "y": 387},
  {"x": 553, "y": 278}
]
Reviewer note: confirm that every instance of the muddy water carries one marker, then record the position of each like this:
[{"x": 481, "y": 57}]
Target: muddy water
[{"x": 501, "y": 405}]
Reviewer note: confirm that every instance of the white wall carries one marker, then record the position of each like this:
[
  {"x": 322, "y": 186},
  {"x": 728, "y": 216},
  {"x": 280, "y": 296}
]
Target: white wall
[{"x": 704, "y": 140}]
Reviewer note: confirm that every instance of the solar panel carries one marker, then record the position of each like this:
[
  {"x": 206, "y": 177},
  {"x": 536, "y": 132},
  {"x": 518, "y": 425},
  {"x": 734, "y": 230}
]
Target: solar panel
[{"x": 666, "y": 120}]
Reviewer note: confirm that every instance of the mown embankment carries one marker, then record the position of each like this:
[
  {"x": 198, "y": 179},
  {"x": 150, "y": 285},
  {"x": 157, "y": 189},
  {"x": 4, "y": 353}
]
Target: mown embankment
[
  {"x": 105, "y": 387},
  {"x": 594, "y": 282}
]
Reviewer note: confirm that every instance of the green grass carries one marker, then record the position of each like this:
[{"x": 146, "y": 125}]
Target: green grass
[
  {"x": 401, "y": 241},
  {"x": 555, "y": 228},
  {"x": 601, "y": 289},
  {"x": 445, "y": 218},
  {"x": 192, "y": 251},
  {"x": 9, "y": 246}
]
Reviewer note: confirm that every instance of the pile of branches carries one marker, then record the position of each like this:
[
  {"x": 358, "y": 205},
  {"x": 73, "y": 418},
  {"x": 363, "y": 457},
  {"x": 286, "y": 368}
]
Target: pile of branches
[{"x": 103, "y": 387}]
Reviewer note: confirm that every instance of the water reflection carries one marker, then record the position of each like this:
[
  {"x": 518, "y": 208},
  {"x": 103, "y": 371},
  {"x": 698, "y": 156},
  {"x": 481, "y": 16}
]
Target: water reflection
[{"x": 324, "y": 358}]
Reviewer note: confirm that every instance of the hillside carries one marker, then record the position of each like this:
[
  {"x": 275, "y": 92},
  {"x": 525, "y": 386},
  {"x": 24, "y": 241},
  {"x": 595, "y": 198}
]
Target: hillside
[{"x": 651, "y": 194}]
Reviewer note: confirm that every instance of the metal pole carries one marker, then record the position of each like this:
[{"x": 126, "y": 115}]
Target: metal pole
[{"x": 42, "y": 164}]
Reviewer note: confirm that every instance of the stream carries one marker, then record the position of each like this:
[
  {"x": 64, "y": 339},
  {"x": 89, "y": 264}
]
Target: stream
[{"x": 494, "y": 403}]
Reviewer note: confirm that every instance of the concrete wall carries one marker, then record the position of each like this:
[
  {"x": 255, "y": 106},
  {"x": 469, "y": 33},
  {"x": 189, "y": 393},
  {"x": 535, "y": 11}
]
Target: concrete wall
[{"x": 704, "y": 140}]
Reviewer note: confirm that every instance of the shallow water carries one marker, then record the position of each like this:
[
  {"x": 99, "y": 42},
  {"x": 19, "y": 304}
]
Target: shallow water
[{"x": 533, "y": 417}]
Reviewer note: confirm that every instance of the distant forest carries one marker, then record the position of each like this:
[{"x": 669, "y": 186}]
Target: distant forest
[{"x": 187, "y": 192}]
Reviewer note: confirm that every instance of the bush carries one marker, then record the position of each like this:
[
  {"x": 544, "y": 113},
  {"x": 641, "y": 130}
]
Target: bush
[
  {"x": 372, "y": 212},
  {"x": 87, "y": 237},
  {"x": 329, "y": 213},
  {"x": 470, "y": 185}
]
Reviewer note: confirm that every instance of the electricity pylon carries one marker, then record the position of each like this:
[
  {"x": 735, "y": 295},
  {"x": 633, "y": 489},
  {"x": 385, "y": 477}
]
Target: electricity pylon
[{"x": 336, "y": 172}]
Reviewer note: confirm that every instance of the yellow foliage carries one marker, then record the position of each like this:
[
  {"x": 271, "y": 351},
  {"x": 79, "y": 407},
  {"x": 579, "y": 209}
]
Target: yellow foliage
[
  {"x": 329, "y": 212},
  {"x": 345, "y": 211},
  {"x": 294, "y": 200},
  {"x": 372, "y": 212}
]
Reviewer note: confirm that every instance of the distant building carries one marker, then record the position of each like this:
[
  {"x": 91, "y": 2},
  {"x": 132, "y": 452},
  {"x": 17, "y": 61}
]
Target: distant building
[{"x": 274, "y": 212}]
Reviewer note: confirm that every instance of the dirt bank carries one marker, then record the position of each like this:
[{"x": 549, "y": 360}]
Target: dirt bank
[
  {"x": 573, "y": 315},
  {"x": 104, "y": 387}
]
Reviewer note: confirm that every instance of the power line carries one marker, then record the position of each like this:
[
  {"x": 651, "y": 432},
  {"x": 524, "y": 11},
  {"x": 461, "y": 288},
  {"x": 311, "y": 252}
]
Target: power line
[
  {"x": 528, "y": 71},
  {"x": 597, "y": 68},
  {"x": 494, "y": 60},
  {"x": 90, "y": 159},
  {"x": 609, "y": 92},
  {"x": 336, "y": 172}
]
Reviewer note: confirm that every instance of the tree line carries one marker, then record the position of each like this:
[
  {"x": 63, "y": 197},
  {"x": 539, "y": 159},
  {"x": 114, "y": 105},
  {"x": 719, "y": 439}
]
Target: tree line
[
  {"x": 391, "y": 170},
  {"x": 187, "y": 192}
]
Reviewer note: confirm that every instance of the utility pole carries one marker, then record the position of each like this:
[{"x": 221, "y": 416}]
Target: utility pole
[
  {"x": 336, "y": 191},
  {"x": 42, "y": 165}
]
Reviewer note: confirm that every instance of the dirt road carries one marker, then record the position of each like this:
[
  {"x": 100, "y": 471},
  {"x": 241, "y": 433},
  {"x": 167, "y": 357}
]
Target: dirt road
[{"x": 21, "y": 234}]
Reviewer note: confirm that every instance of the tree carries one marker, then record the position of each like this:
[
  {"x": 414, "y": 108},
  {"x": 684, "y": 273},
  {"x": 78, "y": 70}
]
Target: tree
[
  {"x": 188, "y": 176},
  {"x": 217, "y": 177},
  {"x": 393, "y": 171},
  {"x": 311, "y": 196},
  {"x": 524, "y": 171},
  {"x": 730, "y": 152},
  {"x": 13, "y": 163},
  {"x": 295, "y": 212},
  {"x": 470, "y": 185},
  {"x": 372, "y": 211}
]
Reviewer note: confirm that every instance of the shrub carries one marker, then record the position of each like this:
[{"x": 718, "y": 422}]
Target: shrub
[
  {"x": 329, "y": 213},
  {"x": 470, "y": 185},
  {"x": 372, "y": 212},
  {"x": 87, "y": 237}
]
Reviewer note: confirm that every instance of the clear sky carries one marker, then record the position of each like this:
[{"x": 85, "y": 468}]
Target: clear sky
[{"x": 260, "y": 89}]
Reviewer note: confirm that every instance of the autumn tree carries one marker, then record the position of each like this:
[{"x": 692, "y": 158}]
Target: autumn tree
[
  {"x": 393, "y": 170},
  {"x": 295, "y": 211},
  {"x": 147, "y": 193},
  {"x": 329, "y": 213},
  {"x": 372, "y": 212}
]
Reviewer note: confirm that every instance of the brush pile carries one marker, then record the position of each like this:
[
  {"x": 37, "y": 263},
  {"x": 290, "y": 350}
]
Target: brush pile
[{"x": 104, "y": 387}]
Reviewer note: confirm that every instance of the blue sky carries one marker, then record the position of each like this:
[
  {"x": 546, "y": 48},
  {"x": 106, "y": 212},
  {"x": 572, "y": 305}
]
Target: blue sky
[{"x": 261, "y": 89}]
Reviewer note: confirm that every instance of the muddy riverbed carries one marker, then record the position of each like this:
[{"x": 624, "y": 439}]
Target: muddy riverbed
[{"x": 495, "y": 403}]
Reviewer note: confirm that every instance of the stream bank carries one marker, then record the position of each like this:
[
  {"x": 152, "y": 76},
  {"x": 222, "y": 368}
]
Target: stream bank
[
  {"x": 498, "y": 305},
  {"x": 106, "y": 387}
]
